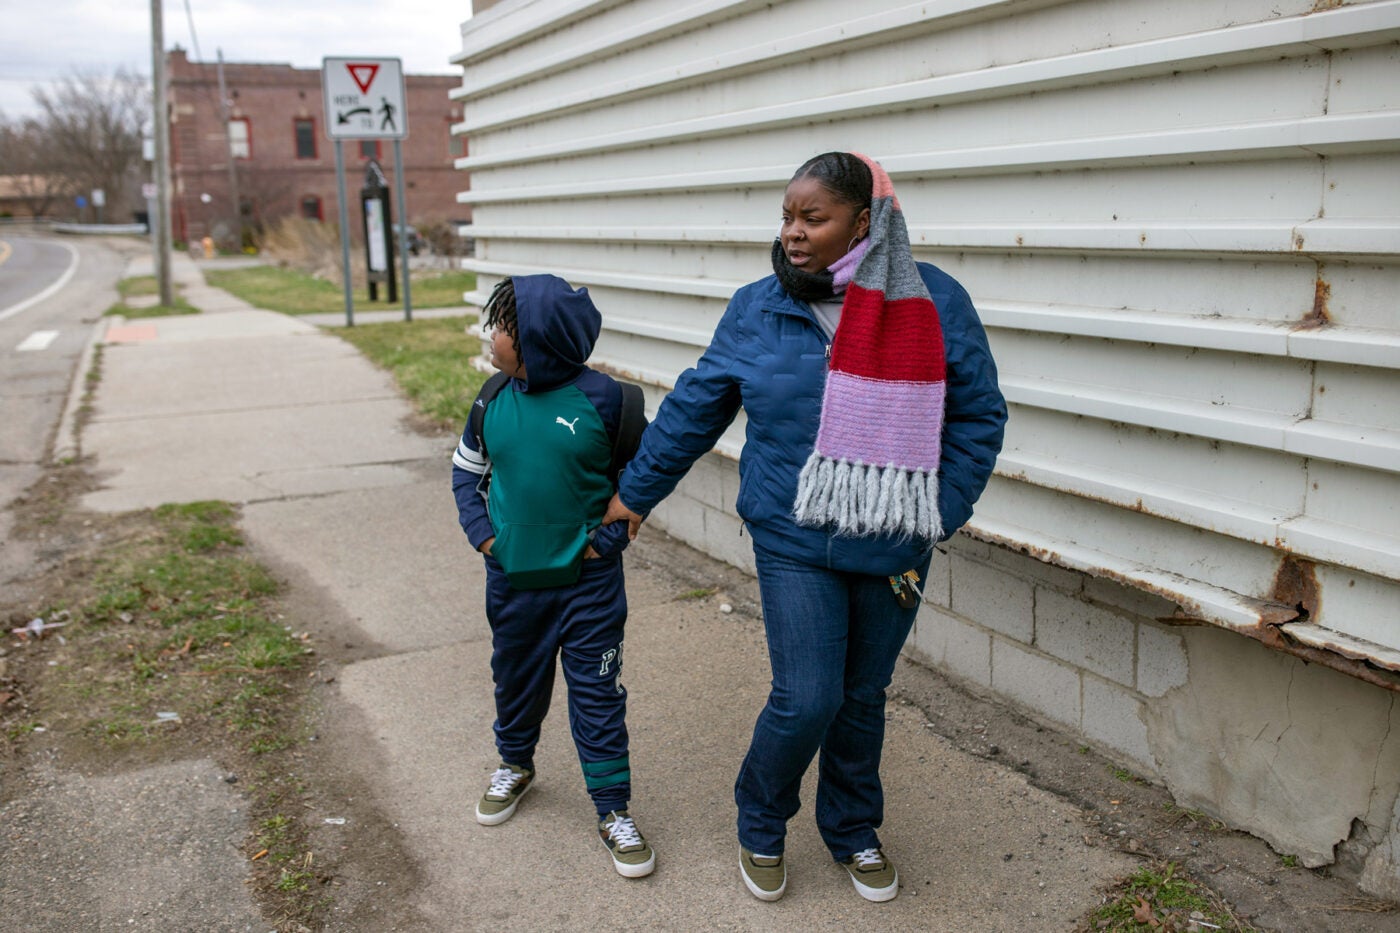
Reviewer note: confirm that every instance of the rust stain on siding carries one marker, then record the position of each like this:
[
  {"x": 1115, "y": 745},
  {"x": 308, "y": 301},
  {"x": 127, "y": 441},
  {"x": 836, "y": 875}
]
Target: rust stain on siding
[
  {"x": 1295, "y": 586},
  {"x": 1319, "y": 315},
  {"x": 1296, "y": 591}
]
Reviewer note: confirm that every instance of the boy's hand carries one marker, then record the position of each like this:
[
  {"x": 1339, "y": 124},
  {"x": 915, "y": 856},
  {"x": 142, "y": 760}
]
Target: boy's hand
[
  {"x": 617, "y": 511},
  {"x": 486, "y": 545}
]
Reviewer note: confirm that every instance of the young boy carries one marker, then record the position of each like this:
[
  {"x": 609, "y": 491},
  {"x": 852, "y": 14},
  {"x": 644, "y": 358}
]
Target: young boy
[{"x": 532, "y": 486}]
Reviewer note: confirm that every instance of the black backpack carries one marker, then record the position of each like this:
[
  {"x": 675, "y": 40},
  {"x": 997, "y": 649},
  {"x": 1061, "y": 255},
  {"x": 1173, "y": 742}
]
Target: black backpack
[{"x": 631, "y": 424}]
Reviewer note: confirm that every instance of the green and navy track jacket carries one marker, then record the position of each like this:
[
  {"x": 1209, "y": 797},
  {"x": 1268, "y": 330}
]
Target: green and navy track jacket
[{"x": 541, "y": 484}]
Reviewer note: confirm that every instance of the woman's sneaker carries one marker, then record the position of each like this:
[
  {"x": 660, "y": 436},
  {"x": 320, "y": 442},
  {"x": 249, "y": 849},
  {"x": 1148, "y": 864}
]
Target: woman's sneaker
[
  {"x": 631, "y": 855},
  {"x": 508, "y": 784},
  {"x": 873, "y": 875},
  {"x": 764, "y": 875}
]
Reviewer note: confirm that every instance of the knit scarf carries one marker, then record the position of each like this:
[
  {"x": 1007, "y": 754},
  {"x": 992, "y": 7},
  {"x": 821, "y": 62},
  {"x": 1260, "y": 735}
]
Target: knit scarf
[
  {"x": 817, "y": 286},
  {"x": 874, "y": 469}
]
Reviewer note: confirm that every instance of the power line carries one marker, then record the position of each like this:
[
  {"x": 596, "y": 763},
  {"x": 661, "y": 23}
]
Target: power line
[{"x": 194, "y": 36}]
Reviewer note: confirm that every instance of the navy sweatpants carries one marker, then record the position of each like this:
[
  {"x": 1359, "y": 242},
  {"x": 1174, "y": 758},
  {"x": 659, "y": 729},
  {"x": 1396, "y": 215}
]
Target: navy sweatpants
[{"x": 581, "y": 625}]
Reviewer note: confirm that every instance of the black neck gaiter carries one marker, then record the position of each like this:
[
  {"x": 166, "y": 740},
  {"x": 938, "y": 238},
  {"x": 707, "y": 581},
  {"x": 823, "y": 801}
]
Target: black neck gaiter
[{"x": 803, "y": 286}]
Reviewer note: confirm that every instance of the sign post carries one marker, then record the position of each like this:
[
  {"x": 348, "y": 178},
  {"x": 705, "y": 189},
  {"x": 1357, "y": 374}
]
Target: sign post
[
  {"x": 365, "y": 99},
  {"x": 344, "y": 236}
]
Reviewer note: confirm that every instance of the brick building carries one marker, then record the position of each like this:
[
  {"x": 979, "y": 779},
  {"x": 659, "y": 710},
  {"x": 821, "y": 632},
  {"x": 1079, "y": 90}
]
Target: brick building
[{"x": 283, "y": 161}]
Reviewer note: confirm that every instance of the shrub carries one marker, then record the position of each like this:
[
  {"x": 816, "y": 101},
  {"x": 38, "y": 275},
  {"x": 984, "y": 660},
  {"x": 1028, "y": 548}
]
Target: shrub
[{"x": 310, "y": 246}]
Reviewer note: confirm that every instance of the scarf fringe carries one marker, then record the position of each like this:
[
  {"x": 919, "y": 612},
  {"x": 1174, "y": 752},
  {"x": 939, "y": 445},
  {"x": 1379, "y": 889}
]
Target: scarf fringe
[{"x": 861, "y": 499}]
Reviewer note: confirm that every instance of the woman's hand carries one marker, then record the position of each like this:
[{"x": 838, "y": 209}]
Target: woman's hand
[
  {"x": 486, "y": 545},
  {"x": 617, "y": 511}
]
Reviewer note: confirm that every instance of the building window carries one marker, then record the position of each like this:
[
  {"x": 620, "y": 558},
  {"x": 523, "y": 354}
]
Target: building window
[
  {"x": 240, "y": 138},
  {"x": 305, "y": 128},
  {"x": 311, "y": 208},
  {"x": 369, "y": 148},
  {"x": 456, "y": 146}
]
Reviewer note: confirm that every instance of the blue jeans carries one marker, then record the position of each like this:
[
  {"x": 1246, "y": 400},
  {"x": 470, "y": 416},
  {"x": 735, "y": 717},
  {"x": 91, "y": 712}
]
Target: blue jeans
[{"x": 833, "y": 640}]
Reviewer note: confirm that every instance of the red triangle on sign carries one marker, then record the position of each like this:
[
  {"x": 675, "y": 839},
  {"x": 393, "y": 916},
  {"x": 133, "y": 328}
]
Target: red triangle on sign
[{"x": 363, "y": 75}]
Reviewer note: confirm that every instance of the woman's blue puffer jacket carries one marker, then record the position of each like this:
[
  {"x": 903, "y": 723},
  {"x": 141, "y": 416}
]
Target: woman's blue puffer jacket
[{"x": 769, "y": 356}]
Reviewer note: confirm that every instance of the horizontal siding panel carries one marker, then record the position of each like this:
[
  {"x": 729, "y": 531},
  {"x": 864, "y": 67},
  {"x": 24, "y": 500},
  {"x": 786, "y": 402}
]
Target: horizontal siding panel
[
  {"x": 1369, "y": 447},
  {"x": 1375, "y": 348},
  {"x": 629, "y": 27},
  {"x": 1362, "y": 606},
  {"x": 1322, "y": 238},
  {"x": 1278, "y": 139},
  {"x": 1055, "y": 521},
  {"x": 1197, "y": 598},
  {"x": 766, "y": 38},
  {"x": 496, "y": 32}
]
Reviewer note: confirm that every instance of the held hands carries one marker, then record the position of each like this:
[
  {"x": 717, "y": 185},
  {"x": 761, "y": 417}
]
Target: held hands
[{"x": 617, "y": 511}]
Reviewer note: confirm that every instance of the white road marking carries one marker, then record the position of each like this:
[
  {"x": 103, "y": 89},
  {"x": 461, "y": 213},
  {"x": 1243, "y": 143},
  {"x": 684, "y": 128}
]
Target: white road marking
[
  {"x": 12, "y": 310},
  {"x": 39, "y": 340}
]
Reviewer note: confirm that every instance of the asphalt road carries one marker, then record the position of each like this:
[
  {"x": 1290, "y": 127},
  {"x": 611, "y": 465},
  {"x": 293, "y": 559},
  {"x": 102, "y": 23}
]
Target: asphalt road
[{"x": 51, "y": 291}]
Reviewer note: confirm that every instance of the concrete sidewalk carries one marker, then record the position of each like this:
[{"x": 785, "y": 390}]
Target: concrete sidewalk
[{"x": 354, "y": 508}]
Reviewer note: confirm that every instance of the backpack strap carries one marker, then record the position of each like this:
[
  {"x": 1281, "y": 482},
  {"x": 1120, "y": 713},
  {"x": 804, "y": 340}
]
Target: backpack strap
[
  {"x": 631, "y": 424},
  {"x": 477, "y": 416}
]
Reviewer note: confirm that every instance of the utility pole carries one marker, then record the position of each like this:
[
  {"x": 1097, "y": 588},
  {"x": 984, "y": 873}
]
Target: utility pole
[
  {"x": 162, "y": 119},
  {"x": 226, "y": 108}
]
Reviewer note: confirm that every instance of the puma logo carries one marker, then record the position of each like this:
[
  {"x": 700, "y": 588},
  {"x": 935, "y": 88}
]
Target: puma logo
[{"x": 567, "y": 424}]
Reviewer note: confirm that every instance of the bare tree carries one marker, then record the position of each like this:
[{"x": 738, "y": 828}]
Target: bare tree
[
  {"x": 28, "y": 157},
  {"x": 90, "y": 125}
]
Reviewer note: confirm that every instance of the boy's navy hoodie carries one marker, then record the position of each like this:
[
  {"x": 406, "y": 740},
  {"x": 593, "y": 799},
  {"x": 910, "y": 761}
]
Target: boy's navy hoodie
[{"x": 548, "y": 445}]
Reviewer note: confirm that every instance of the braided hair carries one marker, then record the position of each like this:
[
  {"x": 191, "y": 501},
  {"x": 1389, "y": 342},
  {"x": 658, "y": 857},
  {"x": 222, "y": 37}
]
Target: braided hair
[
  {"x": 843, "y": 174},
  {"x": 499, "y": 313}
]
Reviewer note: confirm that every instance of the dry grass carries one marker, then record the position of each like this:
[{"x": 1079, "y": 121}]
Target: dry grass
[{"x": 310, "y": 246}]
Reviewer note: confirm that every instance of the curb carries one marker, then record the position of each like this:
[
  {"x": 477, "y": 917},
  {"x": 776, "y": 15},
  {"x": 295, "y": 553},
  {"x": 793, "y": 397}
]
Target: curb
[{"x": 66, "y": 443}]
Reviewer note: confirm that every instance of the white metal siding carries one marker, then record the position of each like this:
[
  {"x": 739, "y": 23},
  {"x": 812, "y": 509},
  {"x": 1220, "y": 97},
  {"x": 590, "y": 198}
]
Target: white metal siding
[{"x": 1180, "y": 223}]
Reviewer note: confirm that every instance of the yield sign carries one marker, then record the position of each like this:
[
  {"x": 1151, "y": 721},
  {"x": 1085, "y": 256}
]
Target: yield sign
[{"x": 362, "y": 73}]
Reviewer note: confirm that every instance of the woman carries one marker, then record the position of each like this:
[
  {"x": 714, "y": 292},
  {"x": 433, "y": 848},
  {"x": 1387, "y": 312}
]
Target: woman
[{"x": 874, "y": 420}]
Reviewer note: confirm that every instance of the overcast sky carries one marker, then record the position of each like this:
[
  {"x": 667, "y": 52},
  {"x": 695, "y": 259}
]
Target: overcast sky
[{"x": 44, "y": 40}]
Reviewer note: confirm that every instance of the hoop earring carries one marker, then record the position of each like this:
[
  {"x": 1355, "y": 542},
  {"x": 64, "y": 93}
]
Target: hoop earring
[{"x": 852, "y": 245}]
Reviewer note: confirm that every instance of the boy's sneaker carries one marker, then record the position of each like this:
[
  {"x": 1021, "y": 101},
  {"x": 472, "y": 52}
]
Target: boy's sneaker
[
  {"x": 508, "y": 785},
  {"x": 765, "y": 876},
  {"x": 873, "y": 874},
  {"x": 631, "y": 855}
]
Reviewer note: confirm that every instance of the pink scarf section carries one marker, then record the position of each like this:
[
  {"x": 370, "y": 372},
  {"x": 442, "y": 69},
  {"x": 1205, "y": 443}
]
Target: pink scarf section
[{"x": 843, "y": 270}]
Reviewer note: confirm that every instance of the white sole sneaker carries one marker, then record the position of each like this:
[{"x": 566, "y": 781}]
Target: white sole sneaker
[
  {"x": 629, "y": 838},
  {"x": 755, "y": 890},
  {"x": 887, "y": 893},
  {"x": 628, "y": 870},
  {"x": 493, "y": 819}
]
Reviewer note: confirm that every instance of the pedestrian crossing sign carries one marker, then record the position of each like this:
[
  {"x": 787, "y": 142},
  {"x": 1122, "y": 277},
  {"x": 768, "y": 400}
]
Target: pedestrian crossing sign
[{"x": 364, "y": 98}]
